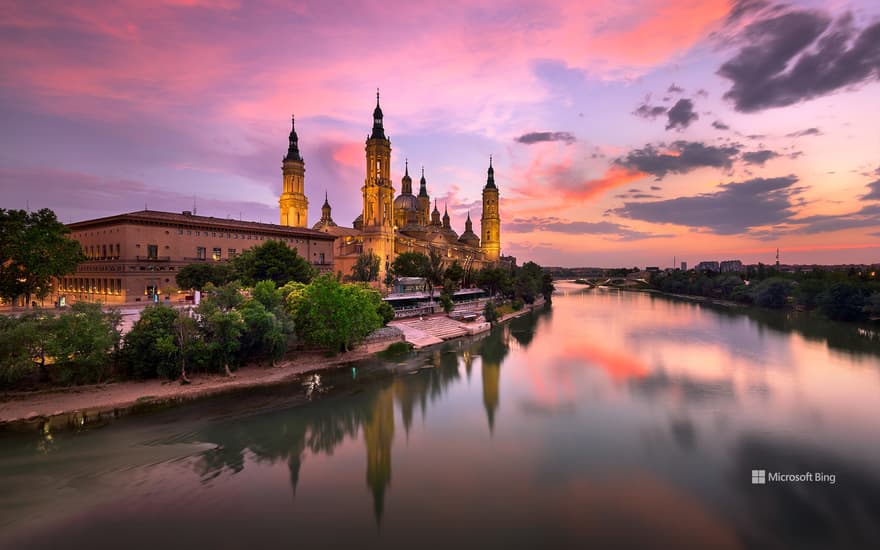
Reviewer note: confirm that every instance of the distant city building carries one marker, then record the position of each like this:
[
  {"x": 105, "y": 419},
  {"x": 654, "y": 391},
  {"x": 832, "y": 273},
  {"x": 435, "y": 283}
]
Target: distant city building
[
  {"x": 707, "y": 266},
  {"x": 731, "y": 266},
  {"x": 134, "y": 257},
  {"x": 684, "y": 266}
]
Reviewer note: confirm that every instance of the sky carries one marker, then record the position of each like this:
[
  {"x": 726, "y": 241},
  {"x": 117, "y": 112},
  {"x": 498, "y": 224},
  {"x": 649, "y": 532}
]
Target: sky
[{"x": 622, "y": 133}]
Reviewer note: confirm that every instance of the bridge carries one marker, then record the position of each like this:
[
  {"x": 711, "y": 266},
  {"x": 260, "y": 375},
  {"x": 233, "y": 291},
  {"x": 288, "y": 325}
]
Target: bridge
[{"x": 614, "y": 282}]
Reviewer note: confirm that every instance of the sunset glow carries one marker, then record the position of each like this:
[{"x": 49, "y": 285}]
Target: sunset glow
[{"x": 622, "y": 133}]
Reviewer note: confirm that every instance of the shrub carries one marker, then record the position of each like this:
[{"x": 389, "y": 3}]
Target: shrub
[{"x": 490, "y": 313}]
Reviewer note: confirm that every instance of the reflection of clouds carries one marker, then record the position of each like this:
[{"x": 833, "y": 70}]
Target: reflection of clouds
[
  {"x": 684, "y": 388},
  {"x": 536, "y": 408},
  {"x": 618, "y": 365},
  {"x": 636, "y": 511},
  {"x": 806, "y": 515}
]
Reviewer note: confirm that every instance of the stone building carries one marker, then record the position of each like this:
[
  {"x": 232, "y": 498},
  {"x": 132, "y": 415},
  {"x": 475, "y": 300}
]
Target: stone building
[
  {"x": 389, "y": 225},
  {"x": 134, "y": 257}
]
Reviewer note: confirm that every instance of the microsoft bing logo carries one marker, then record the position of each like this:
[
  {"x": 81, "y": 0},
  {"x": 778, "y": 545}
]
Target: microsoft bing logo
[{"x": 759, "y": 477}]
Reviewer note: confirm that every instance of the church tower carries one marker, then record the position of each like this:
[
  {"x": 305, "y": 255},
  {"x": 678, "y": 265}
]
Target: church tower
[
  {"x": 424, "y": 201},
  {"x": 293, "y": 202},
  {"x": 378, "y": 213},
  {"x": 490, "y": 224}
]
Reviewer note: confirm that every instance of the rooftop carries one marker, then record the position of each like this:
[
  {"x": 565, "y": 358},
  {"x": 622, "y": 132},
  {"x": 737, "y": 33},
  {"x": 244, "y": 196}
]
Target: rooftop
[{"x": 188, "y": 218}]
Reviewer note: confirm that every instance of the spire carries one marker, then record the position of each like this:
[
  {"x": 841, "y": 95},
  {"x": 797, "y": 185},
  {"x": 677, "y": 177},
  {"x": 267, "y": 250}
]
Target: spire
[
  {"x": 490, "y": 180},
  {"x": 378, "y": 129},
  {"x": 446, "y": 224},
  {"x": 468, "y": 224},
  {"x": 406, "y": 182},
  {"x": 293, "y": 148},
  {"x": 326, "y": 202},
  {"x": 435, "y": 215},
  {"x": 423, "y": 185},
  {"x": 406, "y": 170}
]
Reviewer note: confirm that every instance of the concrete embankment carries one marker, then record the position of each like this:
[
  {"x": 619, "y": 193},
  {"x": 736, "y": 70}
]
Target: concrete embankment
[{"x": 435, "y": 329}]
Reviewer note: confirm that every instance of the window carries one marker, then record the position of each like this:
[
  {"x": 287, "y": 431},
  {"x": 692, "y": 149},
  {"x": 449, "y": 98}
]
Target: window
[
  {"x": 180, "y": 231},
  {"x": 216, "y": 254},
  {"x": 321, "y": 258},
  {"x": 231, "y": 253},
  {"x": 152, "y": 251},
  {"x": 200, "y": 252},
  {"x": 189, "y": 232}
]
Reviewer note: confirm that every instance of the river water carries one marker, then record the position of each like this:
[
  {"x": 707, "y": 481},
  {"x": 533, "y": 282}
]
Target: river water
[{"x": 612, "y": 419}]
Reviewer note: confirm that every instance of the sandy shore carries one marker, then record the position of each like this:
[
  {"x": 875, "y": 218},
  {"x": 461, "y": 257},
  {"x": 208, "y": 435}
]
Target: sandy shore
[{"x": 88, "y": 403}]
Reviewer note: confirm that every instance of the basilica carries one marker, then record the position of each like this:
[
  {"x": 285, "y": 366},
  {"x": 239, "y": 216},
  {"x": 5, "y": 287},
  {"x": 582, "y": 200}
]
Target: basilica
[{"x": 389, "y": 225}]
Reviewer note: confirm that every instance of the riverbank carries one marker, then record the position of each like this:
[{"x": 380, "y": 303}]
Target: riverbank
[
  {"x": 73, "y": 407},
  {"x": 79, "y": 405}
]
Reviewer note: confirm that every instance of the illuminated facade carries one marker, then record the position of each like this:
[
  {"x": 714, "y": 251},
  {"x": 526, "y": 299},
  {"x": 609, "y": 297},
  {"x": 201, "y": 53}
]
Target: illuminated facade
[{"x": 388, "y": 226}]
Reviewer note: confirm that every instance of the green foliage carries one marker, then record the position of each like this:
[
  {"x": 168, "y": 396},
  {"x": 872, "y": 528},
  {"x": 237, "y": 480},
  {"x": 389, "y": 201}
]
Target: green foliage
[
  {"x": 547, "y": 287},
  {"x": 386, "y": 312},
  {"x": 263, "y": 334},
  {"x": 149, "y": 348},
  {"x": 455, "y": 273},
  {"x": 872, "y": 307},
  {"x": 490, "y": 313},
  {"x": 34, "y": 248},
  {"x": 336, "y": 316},
  {"x": 772, "y": 293},
  {"x": 365, "y": 268},
  {"x": 526, "y": 286},
  {"x": 23, "y": 343},
  {"x": 265, "y": 292},
  {"x": 844, "y": 302},
  {"x": 434, "y": 270},
  {"x": 517, "y": 305},
  {"x": 197, "y": 276},
  {"x": 84, "y": 340},
  {"x": 410, "y": 264},
  {"x": 274, "y": 261},
  {"x": 808, "y": 291},
  {"x": 494, "y": 280},
  {"x": 447, "y": 303}
]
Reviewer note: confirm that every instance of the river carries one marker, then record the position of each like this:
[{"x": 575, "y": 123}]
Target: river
[{"x": 614, "y": 419}]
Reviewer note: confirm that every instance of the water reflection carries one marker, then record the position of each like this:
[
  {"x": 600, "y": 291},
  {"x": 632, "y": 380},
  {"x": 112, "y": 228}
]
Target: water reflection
[{"x": 616, "y": 419}]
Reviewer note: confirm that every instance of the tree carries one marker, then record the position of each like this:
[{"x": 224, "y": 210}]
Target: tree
[
  {"x": 335, "y": 315},
  {"x": 197, "y": 276},
  {"x": 434, "y": 271},
  {"x": 772, "y": 293},
  {"x": 386, "y": 312},
  {"x": 410, "y": 264},
  {"x": 23, "y": 343},
  {"x": 365, "y": 268},
  {"x": 34, "y": 249},
  {"x": 149, "y": 347},
  {"x": 274, "y": 261},
  {"x": 489, "y": 312},
  {"x": 494, "y": 280},
  {"x": 221, "y": 325},
  {"x": 84, "y": 338},
  {"x": 844, "y": 301},
  {"x": 547, "y": 287},
  {"x": 455, "y": 273}
]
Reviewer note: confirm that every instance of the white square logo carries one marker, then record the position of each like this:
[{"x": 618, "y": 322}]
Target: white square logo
[{"x": 759, "y": 477}]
